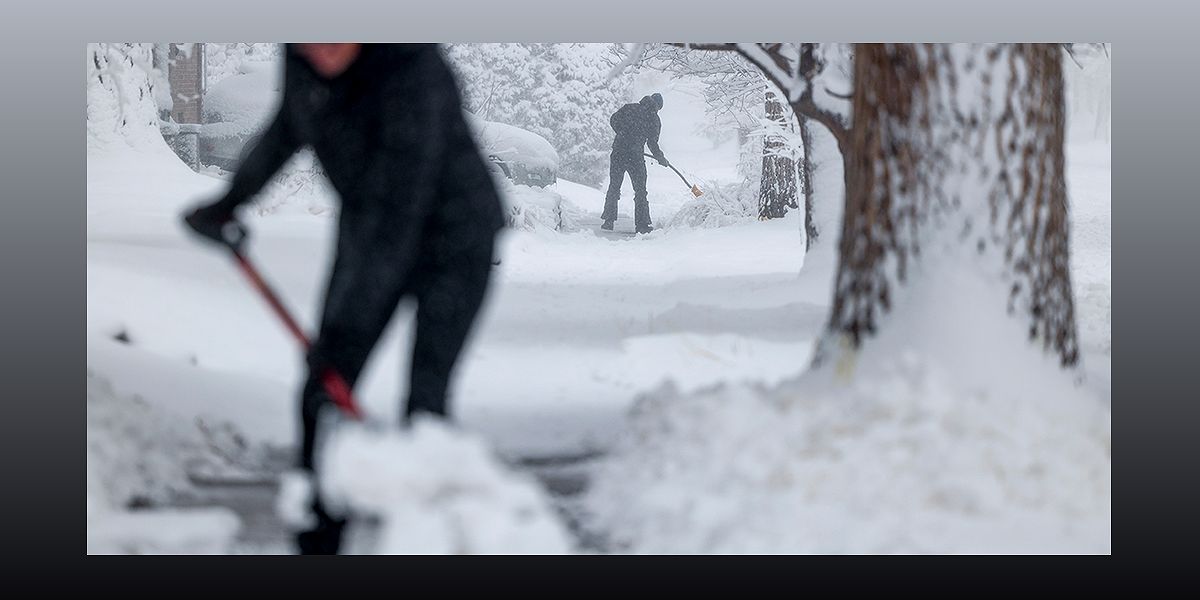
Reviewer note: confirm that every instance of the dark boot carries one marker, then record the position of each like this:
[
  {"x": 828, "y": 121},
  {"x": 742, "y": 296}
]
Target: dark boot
[
  {"x": 607, "y": 226},
  {"x": 325, "y": 538}
]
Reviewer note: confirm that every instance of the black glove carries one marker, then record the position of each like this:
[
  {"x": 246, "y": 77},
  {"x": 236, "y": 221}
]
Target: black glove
[
  {"x": 662, "y": 160},
  {"x": 217, "y": 224}
]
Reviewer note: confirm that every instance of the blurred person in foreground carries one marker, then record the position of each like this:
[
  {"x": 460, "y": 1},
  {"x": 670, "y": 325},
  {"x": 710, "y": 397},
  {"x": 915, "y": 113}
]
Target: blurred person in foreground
[{"x": 418, "y": 218}]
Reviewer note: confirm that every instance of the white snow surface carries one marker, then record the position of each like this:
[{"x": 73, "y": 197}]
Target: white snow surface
[{"x": 135, "y": 452}]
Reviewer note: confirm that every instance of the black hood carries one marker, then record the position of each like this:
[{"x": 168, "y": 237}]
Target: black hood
[{"x": 653, "y": 101}]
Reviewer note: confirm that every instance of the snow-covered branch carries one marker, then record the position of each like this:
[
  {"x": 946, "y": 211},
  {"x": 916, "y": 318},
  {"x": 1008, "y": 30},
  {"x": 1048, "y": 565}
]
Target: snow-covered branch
[
  {"x": 794, "y": 68},
  {"x": 635, "y": 54}
]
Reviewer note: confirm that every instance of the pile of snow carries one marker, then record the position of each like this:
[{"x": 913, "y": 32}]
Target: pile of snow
[
  {"x": 530, "y": 208},
  {"x": 721, "y": 204},
  {"x": 437, "y": 491},
  {"x": 135, "y": 459},
  {"x": 925, "y": 441}
]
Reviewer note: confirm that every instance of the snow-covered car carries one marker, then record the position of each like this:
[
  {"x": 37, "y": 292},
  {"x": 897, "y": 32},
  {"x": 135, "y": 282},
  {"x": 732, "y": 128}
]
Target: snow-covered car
[
  {"x": 236, "y": 109},
  {"x": 522, "y": 155}
]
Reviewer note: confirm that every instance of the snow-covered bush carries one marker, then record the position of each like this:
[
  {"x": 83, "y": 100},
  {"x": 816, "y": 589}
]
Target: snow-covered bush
[
  {"x": 122, "y": 89},
  {"x": 437, "y": 491},
  {"x": 222, "y": 60},
  {"x": 722, "y": 204}
]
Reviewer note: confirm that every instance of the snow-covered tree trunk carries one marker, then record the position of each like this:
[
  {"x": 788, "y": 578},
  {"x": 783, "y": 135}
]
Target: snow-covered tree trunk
[
  {"x": 804, "y": 165},
  {"x": 965, "y": 141},
  {"x": 778, "y": 190}
]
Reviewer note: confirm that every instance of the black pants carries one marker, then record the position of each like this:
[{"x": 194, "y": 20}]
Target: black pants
[
  {"x": 448, "y": 280},
  {"x": 634, "y": 164}
]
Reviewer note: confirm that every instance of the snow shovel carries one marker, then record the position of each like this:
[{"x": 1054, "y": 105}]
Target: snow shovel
[
  {"x": 695, "y": 188},
  {"x": 234, "y": 236}
]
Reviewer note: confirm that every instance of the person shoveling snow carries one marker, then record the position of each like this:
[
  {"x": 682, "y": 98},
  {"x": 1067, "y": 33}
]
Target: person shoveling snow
[
  {"x": 419, "y": 216},
  {"x": 636, "y": 125}
]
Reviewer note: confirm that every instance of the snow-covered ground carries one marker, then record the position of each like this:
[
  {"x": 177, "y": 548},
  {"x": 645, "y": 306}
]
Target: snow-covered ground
[{"x": 577, "y": 327}]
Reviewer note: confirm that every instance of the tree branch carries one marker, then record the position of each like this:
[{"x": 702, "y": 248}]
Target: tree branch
[{"x": 776, "y": 67}]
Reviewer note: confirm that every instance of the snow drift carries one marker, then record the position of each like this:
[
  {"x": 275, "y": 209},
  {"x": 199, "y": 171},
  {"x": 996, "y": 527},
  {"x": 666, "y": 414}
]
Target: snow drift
[{"x": 927, "y": 443}]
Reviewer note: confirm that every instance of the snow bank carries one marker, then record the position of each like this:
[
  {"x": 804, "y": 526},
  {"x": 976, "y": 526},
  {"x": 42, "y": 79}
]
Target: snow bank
[
  {"x": 438, "y": 491},
  {"x": 135, "y": 458},
  {"x": 929, "y": 443}
]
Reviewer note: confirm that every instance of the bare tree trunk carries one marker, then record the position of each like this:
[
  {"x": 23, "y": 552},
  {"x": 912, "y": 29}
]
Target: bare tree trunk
[
  {"x": 962, "y": 140},
  {"x": 806, "y": 184},
  {"x": 778, "y": 189}
]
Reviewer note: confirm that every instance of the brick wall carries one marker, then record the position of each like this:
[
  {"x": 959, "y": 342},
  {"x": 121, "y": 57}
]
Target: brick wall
[{"x": 186, "y": 74}]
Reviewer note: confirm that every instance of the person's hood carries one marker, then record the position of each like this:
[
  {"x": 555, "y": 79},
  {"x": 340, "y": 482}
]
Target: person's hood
[{"x": 653, "y": 102}]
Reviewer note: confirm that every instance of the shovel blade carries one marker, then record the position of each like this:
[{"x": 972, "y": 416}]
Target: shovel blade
[{"x": 696, "y": 191}]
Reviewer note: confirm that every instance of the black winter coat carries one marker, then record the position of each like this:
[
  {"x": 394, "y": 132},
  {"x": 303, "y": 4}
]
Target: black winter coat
[
  {"x": 390, "y": 134},
  {"x": 637, "y": 125}
]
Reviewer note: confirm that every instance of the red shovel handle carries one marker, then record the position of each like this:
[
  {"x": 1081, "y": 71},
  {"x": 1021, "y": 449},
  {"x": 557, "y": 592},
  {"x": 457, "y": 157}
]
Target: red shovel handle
[{"x": 335, "y": 385}]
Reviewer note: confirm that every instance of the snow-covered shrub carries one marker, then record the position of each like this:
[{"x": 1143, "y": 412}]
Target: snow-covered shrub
[
  {"x": 437, "y": 491},
  {"x": 122, "y": 87},
  {"x": 222, "y": 60},
  {"x": 722, "y": 204}
]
